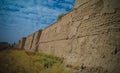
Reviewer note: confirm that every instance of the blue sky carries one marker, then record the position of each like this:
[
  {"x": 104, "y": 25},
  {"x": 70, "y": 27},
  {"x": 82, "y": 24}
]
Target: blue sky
[{"x": 19, "y": 18}]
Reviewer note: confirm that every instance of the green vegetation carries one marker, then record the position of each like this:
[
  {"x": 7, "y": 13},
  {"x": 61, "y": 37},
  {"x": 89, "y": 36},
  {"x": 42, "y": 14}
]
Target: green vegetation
[
  {"x": 40, "y": 30},
  {"x": 60, "y": 16},
  {"x": 18, "y": 61}
]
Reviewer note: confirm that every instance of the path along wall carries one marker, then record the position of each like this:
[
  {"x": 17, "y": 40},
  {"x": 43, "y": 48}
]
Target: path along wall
[{"x": 88, "y": 37}]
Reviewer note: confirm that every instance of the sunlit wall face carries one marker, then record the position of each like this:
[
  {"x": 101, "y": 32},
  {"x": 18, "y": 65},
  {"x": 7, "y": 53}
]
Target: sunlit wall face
[{"x": 19, "y": 18}]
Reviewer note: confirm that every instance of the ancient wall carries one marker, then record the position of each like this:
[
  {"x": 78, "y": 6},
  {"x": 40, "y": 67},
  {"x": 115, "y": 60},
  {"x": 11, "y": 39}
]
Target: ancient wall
[{"x": 88, "y": 37}]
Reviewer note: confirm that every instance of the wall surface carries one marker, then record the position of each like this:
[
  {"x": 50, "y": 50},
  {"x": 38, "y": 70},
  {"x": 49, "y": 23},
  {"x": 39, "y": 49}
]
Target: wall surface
[{"x": 88, "y": 37}]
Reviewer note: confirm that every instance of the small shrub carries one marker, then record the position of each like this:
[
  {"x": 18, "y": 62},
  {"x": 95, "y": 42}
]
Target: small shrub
[
  {"x": 60, "y": 16},
  {"x": 40, "y": 30}
]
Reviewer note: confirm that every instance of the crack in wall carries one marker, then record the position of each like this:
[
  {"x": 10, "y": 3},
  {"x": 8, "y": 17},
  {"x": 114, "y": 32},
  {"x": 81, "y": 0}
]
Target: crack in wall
[
  {"x": 108, "y": 30},
  {"x": 83, "y": 4},
  {"x": 72, "y": 38},
  {"x": 23, "y": 43},
  {"x": 38, "y": 39}
]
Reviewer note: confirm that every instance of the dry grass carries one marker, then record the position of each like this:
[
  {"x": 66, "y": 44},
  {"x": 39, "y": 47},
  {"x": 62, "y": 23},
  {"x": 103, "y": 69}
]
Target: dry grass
[{"x": 17, "y": 61}]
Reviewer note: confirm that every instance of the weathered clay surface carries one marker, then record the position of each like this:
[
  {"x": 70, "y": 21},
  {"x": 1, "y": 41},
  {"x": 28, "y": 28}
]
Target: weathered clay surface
[{"x": 88, "y": 37}]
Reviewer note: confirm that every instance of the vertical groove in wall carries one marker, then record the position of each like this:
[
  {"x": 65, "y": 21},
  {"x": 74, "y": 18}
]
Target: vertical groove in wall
[
  {"x": 38, "y": 39},
  {"x": 23, "y": 43},
  {"x": 32, "y": 41}
]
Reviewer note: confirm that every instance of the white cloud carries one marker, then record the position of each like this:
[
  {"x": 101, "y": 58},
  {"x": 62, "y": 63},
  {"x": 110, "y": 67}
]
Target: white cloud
[{"x": 32, "y": 15}]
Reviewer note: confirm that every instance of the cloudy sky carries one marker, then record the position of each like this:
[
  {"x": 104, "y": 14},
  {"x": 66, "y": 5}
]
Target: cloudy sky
[{"x": 19, "y": 18}]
